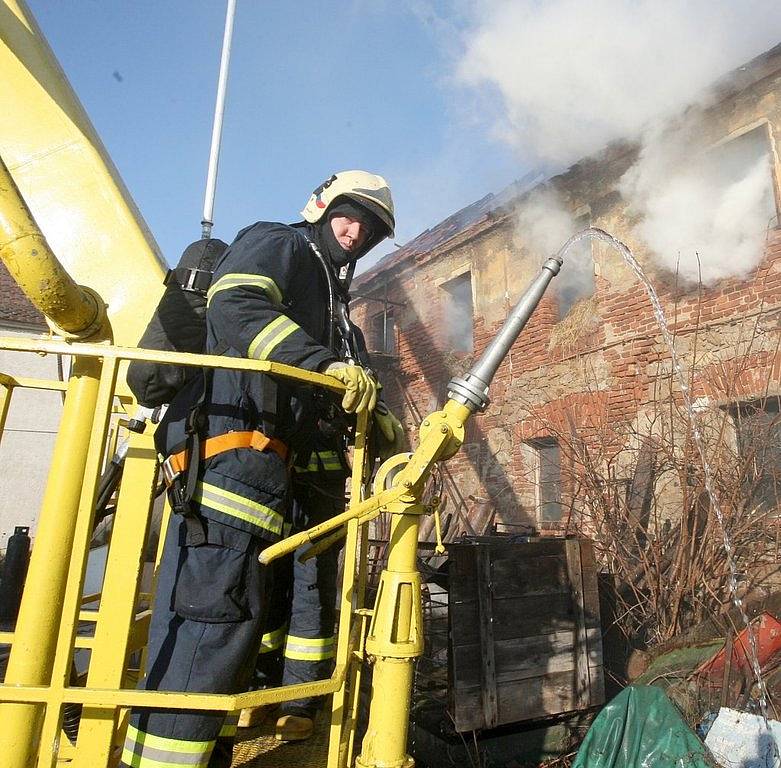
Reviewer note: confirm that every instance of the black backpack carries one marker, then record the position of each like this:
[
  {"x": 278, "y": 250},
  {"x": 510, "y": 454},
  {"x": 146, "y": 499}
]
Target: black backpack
[{"x": 177, "y": 325}]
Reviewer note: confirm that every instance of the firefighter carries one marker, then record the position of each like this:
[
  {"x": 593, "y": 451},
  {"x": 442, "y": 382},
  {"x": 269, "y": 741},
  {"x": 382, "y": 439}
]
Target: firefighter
[
  {"x": 229, "y": 438},
  {"x": 298, "y": 640}
]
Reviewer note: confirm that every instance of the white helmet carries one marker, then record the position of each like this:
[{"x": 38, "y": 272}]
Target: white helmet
[{"x": 366, "y": 189}]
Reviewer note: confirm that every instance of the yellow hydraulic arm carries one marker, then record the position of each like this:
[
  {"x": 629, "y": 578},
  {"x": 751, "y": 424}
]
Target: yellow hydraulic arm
[{"x": 68, "y": 180}]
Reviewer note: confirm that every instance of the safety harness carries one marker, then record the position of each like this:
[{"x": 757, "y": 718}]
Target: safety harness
[{"x": 180, "y": 472}]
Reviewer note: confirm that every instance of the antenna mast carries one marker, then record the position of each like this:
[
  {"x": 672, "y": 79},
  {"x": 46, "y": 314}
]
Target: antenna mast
[{"x": 219, "y": 110}]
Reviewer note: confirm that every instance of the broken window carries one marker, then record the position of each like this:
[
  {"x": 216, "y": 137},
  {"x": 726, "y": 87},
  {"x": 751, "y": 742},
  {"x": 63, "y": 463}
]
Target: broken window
[
  {"x": 758, "y": 427},
  {"x": 458, "y": 314},
  {"x": 733, "y": 164},
  {"x": 383, "y": 332},
  {"x": 576, "y": 281},
  {"x": 548, "y": 455}
]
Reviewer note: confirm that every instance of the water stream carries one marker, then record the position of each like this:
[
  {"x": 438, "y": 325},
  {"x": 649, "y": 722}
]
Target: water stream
[{"x": 599, "y": 234}]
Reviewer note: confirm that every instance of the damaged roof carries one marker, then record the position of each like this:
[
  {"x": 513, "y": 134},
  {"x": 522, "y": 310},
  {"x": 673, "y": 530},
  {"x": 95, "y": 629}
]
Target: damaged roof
[
  {"x": 468, "y": 217},
  {"x": 15, "y": 307}
]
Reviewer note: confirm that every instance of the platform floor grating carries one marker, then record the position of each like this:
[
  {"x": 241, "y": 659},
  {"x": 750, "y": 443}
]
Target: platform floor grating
[{"x": 258, "y": 747}]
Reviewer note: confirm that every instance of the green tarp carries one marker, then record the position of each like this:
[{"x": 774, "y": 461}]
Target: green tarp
[{"x": 640, "y": 728}]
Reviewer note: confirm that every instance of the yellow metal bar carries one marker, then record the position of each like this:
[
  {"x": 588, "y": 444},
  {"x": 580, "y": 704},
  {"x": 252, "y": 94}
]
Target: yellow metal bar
[
  {"x": 110, "y": 698},
  {"x": 63, "y": 655},
  {"x": 348, "y": 596},
  {"x": 118, "y": 602},
  {"x": 35, "y": 638},
  {"x": 362, "y": 512},
  {"x": 356, "y": 670},
  {"x": 93, "y": 597},
  {"x": 30, "y": 261},
  {"x": 6, "y": 393},
  {"x": 139, "y": 631},
  {"x": 7, "y": 638},
  {"x": 27, "y": 383},
  {"x": 164, "y": 523},
  {"x": 175, "y": 358}
]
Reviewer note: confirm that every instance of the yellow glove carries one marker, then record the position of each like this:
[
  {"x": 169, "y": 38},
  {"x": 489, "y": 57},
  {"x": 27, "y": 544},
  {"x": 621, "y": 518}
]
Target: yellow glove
[
  {"x": 393, "y": 440},
  {"x": 361, "y": 394}
]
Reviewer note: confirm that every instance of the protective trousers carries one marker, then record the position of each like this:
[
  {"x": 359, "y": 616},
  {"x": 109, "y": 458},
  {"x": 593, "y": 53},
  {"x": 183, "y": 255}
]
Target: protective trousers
[
  {"x": 298, "y": 639},
  {"x": 206, "y": 624}
]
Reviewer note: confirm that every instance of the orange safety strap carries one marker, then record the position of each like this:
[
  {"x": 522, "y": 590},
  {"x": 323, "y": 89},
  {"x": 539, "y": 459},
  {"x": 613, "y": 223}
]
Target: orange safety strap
[{"x": 211, "y": 446}]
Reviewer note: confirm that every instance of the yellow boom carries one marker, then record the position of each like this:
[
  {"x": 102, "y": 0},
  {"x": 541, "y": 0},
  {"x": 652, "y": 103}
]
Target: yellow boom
[{"x": 68, "y": 180}]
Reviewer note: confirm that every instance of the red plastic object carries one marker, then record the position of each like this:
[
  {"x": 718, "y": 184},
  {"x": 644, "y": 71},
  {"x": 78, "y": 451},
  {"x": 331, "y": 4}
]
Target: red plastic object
[{"x": 767, "y": 630}]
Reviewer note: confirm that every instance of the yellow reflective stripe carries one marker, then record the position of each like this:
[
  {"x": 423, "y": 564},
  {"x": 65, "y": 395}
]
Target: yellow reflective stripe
[
  {"x": 309, "y": 648},
  {"x": 271, "y": 337},
  {"x": 239, "y": 507},
  {"x": 327, "y": 460},
  {"x": 145, "y": 750},
  {"x": 273, "y": 641},
  {"x": 230, "y": 726},
  {"x": 238, "y": 279}
]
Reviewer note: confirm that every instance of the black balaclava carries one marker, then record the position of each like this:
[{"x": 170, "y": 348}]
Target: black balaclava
[{"x": 324, "y": 234}]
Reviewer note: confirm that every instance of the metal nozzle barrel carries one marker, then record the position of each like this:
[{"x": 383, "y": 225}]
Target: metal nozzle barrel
[
  {"x": 472, "y": 389},
  {"x": 73, "y": 309}
]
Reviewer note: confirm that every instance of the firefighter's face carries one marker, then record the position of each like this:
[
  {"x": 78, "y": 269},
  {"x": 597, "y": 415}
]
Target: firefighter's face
[{"x": 350, "y": 233}]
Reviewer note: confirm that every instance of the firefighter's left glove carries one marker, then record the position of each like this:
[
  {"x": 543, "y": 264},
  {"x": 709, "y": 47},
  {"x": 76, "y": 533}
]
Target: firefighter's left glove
[
  {"x": 391, "y": 438},
  {"x": 361, "y": 394}
]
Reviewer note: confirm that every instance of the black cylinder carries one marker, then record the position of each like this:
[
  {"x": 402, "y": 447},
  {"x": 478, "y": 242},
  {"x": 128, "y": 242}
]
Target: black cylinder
[{"x": 17, "y": 558}]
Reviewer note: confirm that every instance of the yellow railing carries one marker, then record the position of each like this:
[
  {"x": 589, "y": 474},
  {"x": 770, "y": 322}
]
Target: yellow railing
[{"x": 37, "y": 684}]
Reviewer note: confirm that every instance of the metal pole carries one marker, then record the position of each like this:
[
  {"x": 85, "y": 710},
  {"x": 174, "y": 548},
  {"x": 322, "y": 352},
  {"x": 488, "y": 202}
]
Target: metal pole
[
  {"x": 219, "y": 110},
  {"x": 472, "y": 389},
  {"x": 395, "y": 640}
]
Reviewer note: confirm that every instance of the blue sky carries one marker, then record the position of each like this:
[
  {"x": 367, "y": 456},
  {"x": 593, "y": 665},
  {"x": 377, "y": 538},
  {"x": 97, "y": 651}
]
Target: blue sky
[{"x": 314, "y": 87}]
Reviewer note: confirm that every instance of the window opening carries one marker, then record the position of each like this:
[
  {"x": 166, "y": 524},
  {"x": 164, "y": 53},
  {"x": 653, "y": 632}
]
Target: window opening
[
  {"x": 758, "y": 427},
  {"x": 383, "y": 332},
  {"x": 548, "y": 480},
  {"x": 735, "y": 160},
  {"x": 458, "y": 315}
]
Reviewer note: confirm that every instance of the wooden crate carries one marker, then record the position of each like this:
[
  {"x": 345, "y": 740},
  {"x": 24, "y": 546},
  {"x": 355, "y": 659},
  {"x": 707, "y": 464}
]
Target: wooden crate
[{"x": 524, "y": 632}]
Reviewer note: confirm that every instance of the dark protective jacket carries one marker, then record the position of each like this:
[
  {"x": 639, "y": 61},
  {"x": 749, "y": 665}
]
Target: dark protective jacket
[{"x": 268, "y": 301}]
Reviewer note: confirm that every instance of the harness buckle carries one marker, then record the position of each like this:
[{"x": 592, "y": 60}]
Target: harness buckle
[
  {"x": 170, "y": 472},
  {"x": 193, "y": 281}
]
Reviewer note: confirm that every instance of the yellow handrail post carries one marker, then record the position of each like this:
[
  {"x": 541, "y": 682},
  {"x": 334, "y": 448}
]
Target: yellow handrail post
[
  {"x": 348, "y": 598},
  {"x": 395, "y": 636},
  {"x": 35, "y": 637},
  {"x": 395, "y": 640},
  {"x": 6, "y": 392},
  {"x": 118, "y": 599},
  {"x": 77, "y": 312}
]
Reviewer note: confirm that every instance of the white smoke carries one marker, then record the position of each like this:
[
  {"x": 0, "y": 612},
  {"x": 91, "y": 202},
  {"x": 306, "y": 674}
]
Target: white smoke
[
  {"x": 544, "y": 224},
  {"x": 704, "y": 213},
  {"x": 572, "y": 76}
]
